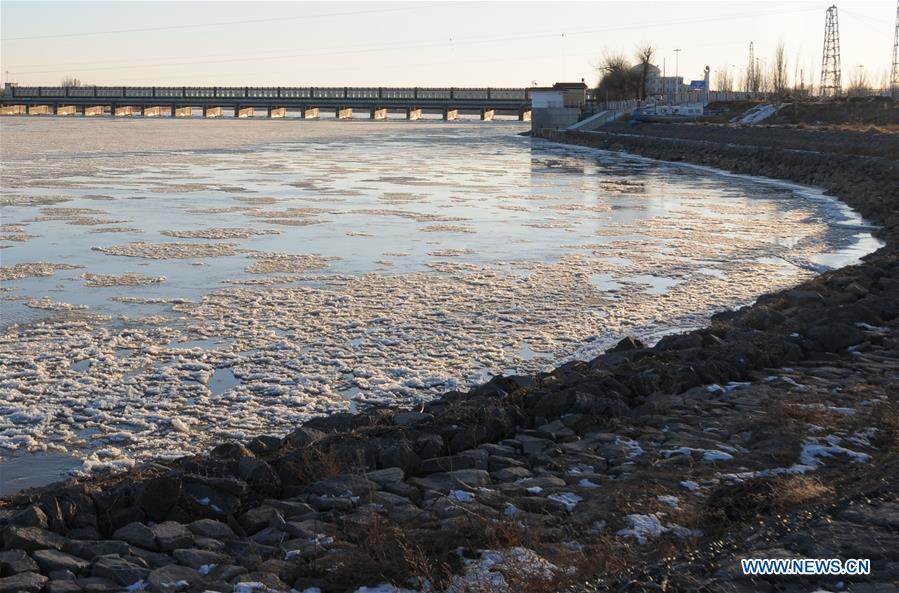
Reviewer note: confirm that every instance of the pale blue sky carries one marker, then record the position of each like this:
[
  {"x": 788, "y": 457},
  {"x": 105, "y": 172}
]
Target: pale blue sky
[{"x": 416, "y": 43}]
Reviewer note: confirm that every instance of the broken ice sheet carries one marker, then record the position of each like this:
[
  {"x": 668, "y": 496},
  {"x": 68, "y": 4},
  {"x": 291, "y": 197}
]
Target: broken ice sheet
[{"x": 478, "y": 284}]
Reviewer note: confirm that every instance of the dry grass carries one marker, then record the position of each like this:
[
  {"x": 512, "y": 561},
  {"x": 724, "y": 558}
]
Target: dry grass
[
  {"x": 866, "y": 128},
  {"x": 884, "y": 417},
  {"x": 315, "y": 464},
  {"x": 798, "y": 490},
  {"x": 383, "y": 551},
  {"x": 606, "y": 555},
  {"x": 388, "y": 553},
  {"x": 805, "y": 412},
  {"x": 756, "y": 500}
]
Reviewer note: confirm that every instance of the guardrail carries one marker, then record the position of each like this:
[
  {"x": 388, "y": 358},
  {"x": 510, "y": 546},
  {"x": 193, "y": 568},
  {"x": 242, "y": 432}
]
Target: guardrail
[{"x": 187, "y": 92}]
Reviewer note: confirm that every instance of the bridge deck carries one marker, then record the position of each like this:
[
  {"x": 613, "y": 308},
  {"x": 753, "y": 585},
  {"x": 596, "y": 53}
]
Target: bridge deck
[{"x": 380, "y": 97}]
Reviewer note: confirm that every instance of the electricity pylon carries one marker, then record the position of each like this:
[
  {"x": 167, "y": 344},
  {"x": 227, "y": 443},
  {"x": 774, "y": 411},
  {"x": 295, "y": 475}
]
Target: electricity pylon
[{"x": 831, "y": 84}]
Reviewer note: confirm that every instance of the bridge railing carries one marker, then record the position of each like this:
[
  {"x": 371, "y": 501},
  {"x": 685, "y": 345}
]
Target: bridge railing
[
  {"x": 137, "y": 91},
  {"x": 169, "y": 91},
  {"x": 362, "y": 93},
  {"x": 109, "y": 91},
  {"x": 329, "y": 92},
  {"x": 470, "y": 93},
  {"x": 521, "y": 94},
  {"x": 53, "y": 90},
  {"x": 299, "y": 92},
  {"x": 261, "y": 92},
  {"x": 407, "y": 93},
  {"x": 230, "y": 91},
  {"x": 397, "y": 93},
  {"x": 426, "y": 93},
  {"x": 27, "y": 91},
  {"x": 196, "y": 92}
]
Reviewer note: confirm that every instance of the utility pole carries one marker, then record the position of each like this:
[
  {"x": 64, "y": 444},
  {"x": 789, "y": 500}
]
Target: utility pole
[
  {"x": 665, "y": 80},
  {"x": 831, "y": 83},
  {"x": 750, "y": 72},
  {"x": 676, "y": 81},
  {"x": 894, "y": 74}
]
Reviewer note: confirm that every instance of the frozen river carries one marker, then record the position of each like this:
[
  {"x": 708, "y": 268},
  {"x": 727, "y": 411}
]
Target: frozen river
[{"x": 166, "y": 284}]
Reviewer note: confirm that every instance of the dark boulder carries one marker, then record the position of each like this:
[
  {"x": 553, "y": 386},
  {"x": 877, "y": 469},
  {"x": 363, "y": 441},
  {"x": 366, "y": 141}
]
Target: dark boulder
[
  {"x": 24, "y": 582},
  {"x": 118, "y": 570},
  {"x": 627, "y": 344},
  {"x": 31, "y": 539},
  {"x": 400, "y": 454},
  {"x": 16, "y": 561},
  {"x": 834, "y": 337},
  {"x": 159, "y": 497}
]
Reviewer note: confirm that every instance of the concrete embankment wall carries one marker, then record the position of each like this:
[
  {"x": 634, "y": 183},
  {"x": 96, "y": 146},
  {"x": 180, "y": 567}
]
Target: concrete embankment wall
[{"x": 553, "y": 117}]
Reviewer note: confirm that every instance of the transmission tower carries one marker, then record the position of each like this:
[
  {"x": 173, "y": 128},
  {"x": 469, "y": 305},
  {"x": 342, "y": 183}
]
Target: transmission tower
[
  {"x": 894, "y": 74},
  {"x": 831, "y": 85}
]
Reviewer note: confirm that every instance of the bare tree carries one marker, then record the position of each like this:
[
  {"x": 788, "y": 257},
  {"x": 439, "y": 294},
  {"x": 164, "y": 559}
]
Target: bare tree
[
  {"x": 723, "y": 80},
  {"x": 859, "y": 86},
  {"x": 752, "y": 83},
  {"x": 762, "y": 81},
  {"x": 618, "y": 79},
  {"x": 644, "y": 59},
  {"x": 884, "y": 84},
  {"x": 779, "y": 73},
  {"x": 70, "y": 81}
]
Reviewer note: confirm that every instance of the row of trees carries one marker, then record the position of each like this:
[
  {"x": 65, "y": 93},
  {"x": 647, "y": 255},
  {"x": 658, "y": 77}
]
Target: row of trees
[
  {"x": 775, "y": 80},
  {"x": 621, "y": 79}
]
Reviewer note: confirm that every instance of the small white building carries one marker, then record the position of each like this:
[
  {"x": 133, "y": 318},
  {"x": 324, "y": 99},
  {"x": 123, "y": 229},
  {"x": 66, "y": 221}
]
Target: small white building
[
  {"x": 547, "y": 98},
  {"x": 556, "y": 107}
]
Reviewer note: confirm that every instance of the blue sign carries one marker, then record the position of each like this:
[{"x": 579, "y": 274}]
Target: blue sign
[{"x": 697, "y": 85}]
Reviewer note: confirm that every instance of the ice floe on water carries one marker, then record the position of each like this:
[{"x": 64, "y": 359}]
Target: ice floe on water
[
  {"x": 220, "y": 233},
  {"x": 32, "y": 270},
  {"x": 227, "y": 293},
  {"x": 121, "y": 279},
  {"x": 171, "y": 250}
]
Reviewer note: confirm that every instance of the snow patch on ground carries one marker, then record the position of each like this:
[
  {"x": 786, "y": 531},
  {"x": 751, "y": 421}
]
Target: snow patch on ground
[
  {"x": 501, "y": 570},
  {"x": 461, "y": 496},
  {"x": 568, "y": 499},
  {"x": 646, "y": 527},
  {"x": 814, "y": 451}
]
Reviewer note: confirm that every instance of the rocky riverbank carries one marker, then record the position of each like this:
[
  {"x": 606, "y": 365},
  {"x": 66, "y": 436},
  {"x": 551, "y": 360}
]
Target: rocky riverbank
[{"x": 774, "y": 432}]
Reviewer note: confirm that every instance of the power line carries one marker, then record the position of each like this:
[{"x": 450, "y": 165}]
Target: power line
[
  {"x": 455, "y": 40},
  {"x": 228, "y": 23}
]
